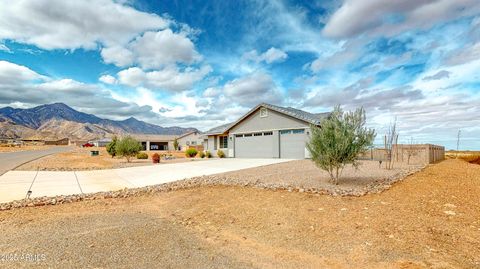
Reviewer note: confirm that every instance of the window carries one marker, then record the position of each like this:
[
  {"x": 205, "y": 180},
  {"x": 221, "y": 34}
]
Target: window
[
  {"x": 247, "y": 135},
  {"x": 257, "y": 134},
  {"x": 223, "y": 142},
  {"x": 298, "y": 131},
  {"x": 294, "y": 131},
  {"x": 268, "y": 133},
  {"x": 193, "y": 143},
  {"x": 285, "y": 131},
  {"x": 239, "y": 135},
  {"x": 263, "y": 112}
]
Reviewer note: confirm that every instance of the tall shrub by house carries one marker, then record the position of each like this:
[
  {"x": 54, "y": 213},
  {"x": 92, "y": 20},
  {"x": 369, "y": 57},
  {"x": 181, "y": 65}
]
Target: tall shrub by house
[
  {"x": 340, "y": 139},
  {"x": 128, "y": 147},
  {"x": 175, "y": 144},
  {"x": 111, "y": 147}
]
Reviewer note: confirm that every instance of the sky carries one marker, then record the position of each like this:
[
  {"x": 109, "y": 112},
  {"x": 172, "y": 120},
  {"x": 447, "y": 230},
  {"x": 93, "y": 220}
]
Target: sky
[{"x": 200, "y": 64}]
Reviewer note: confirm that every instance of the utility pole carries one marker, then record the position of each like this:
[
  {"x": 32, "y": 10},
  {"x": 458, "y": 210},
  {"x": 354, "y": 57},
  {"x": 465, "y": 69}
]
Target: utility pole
[{"x": 458, "y": 139}]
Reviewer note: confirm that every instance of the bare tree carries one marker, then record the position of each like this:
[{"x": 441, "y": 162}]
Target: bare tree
[
  {"x": 412, "y": 150},
  {"x": 391, "y": 141}
]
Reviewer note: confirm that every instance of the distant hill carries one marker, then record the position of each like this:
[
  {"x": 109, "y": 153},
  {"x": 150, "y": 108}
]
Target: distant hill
[{"x": 55, "y": 121}]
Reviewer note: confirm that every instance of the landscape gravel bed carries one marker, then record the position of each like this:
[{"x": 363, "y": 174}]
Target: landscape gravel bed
[{"x": 298, "y": 176}]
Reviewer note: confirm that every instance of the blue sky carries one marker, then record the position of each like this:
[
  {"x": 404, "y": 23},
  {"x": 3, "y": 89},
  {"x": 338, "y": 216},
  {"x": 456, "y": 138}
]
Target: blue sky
[{"x": 205, "y": 63}]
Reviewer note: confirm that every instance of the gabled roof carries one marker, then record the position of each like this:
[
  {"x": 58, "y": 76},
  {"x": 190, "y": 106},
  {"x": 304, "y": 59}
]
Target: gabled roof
[
  {"x": 219, "y": 129},
  {"x": 311, "y": 118},
  {"x": 188, "y": 133}
]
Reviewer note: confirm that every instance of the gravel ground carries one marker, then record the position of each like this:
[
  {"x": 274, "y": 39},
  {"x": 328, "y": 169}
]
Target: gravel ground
[
  {"x": 4, "y": 148},
  {"x": 429, "y": 220}
]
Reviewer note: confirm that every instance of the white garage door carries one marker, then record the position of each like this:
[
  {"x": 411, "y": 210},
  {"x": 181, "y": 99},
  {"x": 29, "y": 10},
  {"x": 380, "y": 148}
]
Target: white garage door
[
  {"x": 292, "y": 144},
  {"x": 255, "y": 145}
]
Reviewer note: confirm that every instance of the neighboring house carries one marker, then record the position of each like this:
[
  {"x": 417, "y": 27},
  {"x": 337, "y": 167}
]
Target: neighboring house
[
  {"x": 155, "y": 142},
  {"x": 191, "y": 139},
  {"x": 266, "y": 131},
  {"x": 59, "y": 142},
  {"x": 101, "y": 142}
]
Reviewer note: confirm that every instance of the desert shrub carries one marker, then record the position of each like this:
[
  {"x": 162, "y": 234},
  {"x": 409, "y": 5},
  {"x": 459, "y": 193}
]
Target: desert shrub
[
  {"x": 191, "y": 152},
  {"x": 128, "y": 147},
  {"x": 341, "y": 138},
  {"x": 111, "y": 147},
  {"x": 208, "y": 154},
  {"x": 220, "y": 154},
  {"x": 155, "y": 158},
  {"x": 201, "y": 154},
  {"x": 142, "y": 156}
]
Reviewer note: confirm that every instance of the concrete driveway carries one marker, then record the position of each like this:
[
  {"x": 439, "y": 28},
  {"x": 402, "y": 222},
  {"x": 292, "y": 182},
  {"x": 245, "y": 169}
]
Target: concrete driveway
[
  {"x": 14, "y": 185},
  {"x": 11, "y": 160}
]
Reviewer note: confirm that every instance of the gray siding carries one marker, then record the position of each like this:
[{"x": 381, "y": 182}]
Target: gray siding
[{"x": 274, "y": 121}]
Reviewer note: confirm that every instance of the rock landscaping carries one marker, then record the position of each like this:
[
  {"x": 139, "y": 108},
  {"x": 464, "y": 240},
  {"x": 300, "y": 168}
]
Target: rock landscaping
[{"x": 228, "y": 179}]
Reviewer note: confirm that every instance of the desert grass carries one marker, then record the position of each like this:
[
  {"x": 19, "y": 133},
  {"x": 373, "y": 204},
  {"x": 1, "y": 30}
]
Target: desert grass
[{"x": 468, "y": 156}]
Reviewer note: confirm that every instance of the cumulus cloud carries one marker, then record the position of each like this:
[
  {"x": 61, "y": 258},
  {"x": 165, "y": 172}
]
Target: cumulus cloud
[
  {"x": 170, "y": 78},
  {"x": 439, "y": 75},
  {"x": 356, "y": 17},
  {"x": 252, "y": 90},
  {"x": 19, "y": 84},
  {"x": 270, "y": 56},
  {"x": 59, "y": 24},
  {"x": 108, "y": 79}
]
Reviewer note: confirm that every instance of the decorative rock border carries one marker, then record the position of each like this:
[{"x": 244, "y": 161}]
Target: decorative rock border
[{"x": 212, "y": 180}]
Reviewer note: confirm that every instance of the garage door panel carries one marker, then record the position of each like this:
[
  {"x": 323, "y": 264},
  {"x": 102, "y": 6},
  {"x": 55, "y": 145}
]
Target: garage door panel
[
  {"x": 255, "y": 147},
  {"x": 292, "y": 145}
]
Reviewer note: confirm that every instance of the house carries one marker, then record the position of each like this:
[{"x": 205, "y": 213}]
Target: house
[
  {"x": 58, "y": 142},
  {"x": 266, "y": 131},
  {"x": 155, "y": 142},
  {"x": 191, "y": 139},
  {"x": 101, "y": 142}
]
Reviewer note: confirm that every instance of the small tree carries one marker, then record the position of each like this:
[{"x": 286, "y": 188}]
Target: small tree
[
  {"x": 391, "y": 140},
  {"x": 339, "y": 141},
  {"x": 128, "y": 147},
  {"x": 175, "y": 144},
  {"x": 111, "y": 147}
]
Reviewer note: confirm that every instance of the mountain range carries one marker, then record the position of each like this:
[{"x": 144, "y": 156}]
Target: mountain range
[{"x": 58, "y": 120}]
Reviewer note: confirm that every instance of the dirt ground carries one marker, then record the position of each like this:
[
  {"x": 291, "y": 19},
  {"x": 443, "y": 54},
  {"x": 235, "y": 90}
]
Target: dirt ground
[
  {"x": 4, "y": 148},
  {"x": 429, "y": 220},
  {"x": 80, "y": 159}
]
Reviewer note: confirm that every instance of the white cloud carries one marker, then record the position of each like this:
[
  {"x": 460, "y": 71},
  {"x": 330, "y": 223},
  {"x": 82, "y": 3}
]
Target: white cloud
[
  {"x": 12, "y": 74},
  {"x": 108, "y": 79},
  {"x": 169, "y": 78},
  {"x": 356, "y": 17},
  {"x": 117, "y": 55},
  {"x": 252, "y": 89},
  {"x": 60, "y": 24},
  {"x": 270, "y": 56}
]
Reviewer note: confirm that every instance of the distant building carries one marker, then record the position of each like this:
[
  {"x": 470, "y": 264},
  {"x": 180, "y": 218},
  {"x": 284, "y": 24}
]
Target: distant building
[
  {"x": 191, "y": 139},
  {"x": 101, "y": 142},
  {"x": 60, "y": 142}
]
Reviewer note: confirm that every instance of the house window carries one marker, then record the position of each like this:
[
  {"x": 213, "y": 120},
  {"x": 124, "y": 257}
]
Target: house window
[
  {"x": 285, "y": 131},
  {"x": 268, "y": 133},
  {"x": 239, "y": 135},
  {"x": 257, "y": 134},
  {"x": 223, "y": 142},
  {"x": 194, "y": 143},
  {"x": 263, "y": 112},
  {"x": 298, "y": 131},
  {"x": 248, "y": 135}
]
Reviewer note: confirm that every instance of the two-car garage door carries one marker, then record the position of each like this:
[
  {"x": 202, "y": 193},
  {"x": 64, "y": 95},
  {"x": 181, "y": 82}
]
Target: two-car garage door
[
  {"x": 286, "y": 144},
  {"x": 255, "y": 145}
]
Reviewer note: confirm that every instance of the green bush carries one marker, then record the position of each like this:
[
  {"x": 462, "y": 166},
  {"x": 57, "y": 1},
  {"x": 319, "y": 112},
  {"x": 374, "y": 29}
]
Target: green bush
[
  {"x": 208, "y": 154},
  {"x": 156, "y": 158},
  {"x": 191, "y": 152},
  {"x": 201, "y": 154},
  {"x": 142, "y": 156},
  {"x": 220, "y": 154},
  {"x": 111, "y": 147},
  {"x": 339, "y": 141},
  {"x": 128, "y": 147}
]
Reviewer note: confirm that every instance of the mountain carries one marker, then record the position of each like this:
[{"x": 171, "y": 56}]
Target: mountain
[{"x": 54, "y": 121}]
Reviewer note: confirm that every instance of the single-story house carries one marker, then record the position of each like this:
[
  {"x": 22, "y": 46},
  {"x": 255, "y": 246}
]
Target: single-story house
[
  {"x": 101, "y": 142},
  {"x": 156, "y": 142},
  {"x": 266, "y": 131},
  {"x": 58, "y": 142},
  {"x": 190, "y": 139}
]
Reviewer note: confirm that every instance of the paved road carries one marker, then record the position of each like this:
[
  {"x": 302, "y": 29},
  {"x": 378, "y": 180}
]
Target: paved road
[
  {"x": 10, "y": 160},
  {"x": 14, "y": 185}
]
